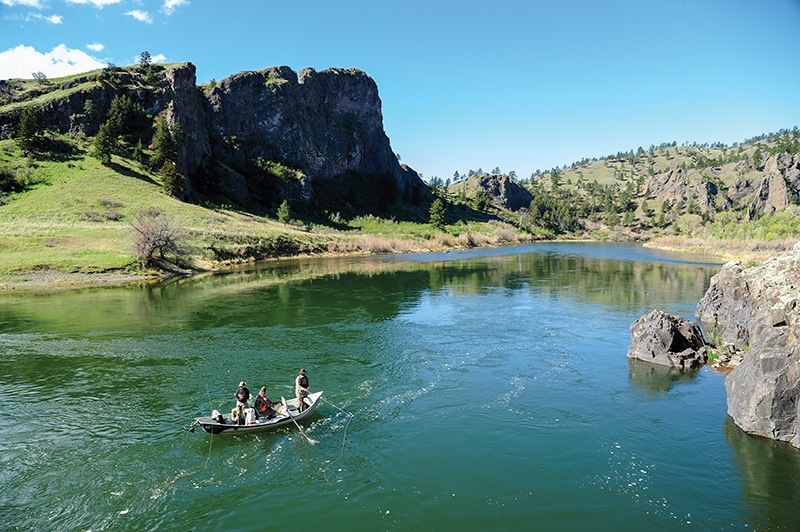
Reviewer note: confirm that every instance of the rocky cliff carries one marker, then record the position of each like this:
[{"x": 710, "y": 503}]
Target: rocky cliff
[
  {"x": 501, "y": 191},
  {"x": 328, "y": 125},
  {"x": 756, "y": 311},
  {"x": 763, "y": 191},
  {"x": 320, "y": 127}
]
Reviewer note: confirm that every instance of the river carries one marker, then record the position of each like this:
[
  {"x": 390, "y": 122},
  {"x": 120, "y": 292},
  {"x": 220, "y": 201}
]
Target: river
[{"x": 473, "y": 390}]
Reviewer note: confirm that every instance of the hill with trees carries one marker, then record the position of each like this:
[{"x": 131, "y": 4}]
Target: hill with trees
[
  {"x": 131, "y": 167},
  {"x": 745, "y": 194}
]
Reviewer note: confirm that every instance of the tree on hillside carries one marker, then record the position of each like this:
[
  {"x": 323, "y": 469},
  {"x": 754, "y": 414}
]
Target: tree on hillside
[
  {"x": 437, "y": 213},
  {"x": 40, "y": 77},
  {"x": 145, "y": 59},
  {"x": 31, "y": 128},
  {"x": 284, "y": 213},
  {"x": 163, "y": 144},
  {"x": 125, "y": 116},
  {"x": 554, "y": 175},
  {"x": 172, "y": 181},
  {"x": 104, "y": 143}
]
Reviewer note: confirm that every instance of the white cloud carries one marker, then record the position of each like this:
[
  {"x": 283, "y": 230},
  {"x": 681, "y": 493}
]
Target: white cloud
[
  {"x": 95, "y": 47},
  {"x": 37, "y": 4},
  {"x": 159, "y": 58},
  {"x": 170, "y": 5},
  {"x": 141, "y": 16},
  {"x": 95, "y": 3},
  {"x": 53, "y": 19},
  {"x": 22, "y": 61}
]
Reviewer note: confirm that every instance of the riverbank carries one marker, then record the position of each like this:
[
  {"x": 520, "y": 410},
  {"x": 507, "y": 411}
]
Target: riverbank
[
  {"x": 47, "y": 280},
  {"x": 745, "y": 251}
]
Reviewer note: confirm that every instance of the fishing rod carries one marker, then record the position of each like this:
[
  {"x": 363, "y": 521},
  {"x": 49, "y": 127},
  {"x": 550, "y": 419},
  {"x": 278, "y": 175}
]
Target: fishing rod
[{"x": 283, "y": 400}]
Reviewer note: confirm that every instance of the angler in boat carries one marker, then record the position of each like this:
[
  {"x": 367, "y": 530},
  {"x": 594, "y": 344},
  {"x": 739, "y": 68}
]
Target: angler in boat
[
  {"x": 273, "y": 415},
  {"x": 242, "y": 395}
]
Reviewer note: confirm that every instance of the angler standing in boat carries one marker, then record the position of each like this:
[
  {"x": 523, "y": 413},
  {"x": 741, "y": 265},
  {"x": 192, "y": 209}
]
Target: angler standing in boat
[
  {"x": 301, "y": 390},
  {"x": 242, "y": 395}
]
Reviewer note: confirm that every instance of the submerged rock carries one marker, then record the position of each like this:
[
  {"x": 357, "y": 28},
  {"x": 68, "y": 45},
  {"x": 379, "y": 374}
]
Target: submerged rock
[
  {"x": 756, "y": 311},
  {"x": 662, "y": 338}
]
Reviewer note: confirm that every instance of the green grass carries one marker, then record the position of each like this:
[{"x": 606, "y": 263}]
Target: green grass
[
  {"x": 76, "y": 216},
  {"x": 44, "y": 98}
]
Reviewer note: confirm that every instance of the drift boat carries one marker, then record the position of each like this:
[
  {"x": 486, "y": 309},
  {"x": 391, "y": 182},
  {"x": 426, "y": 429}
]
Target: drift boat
[{"x": 286, "y": 414}]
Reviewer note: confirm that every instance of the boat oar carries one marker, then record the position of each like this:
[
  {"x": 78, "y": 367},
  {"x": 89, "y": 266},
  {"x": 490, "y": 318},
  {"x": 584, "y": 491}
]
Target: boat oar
[{"x": 312, "y": 442}]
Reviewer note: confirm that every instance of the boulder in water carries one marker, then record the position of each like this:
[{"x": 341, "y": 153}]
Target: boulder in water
[{"x": 662, "y": 338}]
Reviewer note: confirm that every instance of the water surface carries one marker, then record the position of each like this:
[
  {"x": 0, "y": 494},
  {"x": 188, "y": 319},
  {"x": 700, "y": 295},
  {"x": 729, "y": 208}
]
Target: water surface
[{"x": 486, "y": 390}]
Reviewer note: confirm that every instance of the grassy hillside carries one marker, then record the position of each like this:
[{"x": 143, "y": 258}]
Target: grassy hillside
[{"x": 74, "y": 215}]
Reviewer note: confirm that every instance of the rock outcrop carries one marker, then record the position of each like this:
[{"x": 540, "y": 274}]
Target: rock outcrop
[
  {"x": 756, "y": 312},
  {"x": 326, "y": 124},
  {"x": 779, "y": 187},
  {"x": 765, "y": 191},
  {"x": 662, "y": 338},
  {"x": 319, "y": 126},
  {"x": 501, "y": 191}
]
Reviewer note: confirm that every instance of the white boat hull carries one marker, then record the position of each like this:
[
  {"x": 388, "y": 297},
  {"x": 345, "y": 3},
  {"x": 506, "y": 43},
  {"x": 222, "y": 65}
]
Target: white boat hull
[{"x": 212, "y": 426}]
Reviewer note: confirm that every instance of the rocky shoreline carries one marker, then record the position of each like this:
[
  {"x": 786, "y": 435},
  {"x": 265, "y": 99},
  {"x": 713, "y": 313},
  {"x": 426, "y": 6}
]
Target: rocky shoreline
[{"x": 754, "y": 313}]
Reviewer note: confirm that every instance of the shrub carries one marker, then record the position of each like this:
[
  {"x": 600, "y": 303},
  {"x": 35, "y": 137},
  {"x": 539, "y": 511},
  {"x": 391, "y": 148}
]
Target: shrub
[
  {"x": 90, "y": 216},
  {"x": 158, "y": 241}
]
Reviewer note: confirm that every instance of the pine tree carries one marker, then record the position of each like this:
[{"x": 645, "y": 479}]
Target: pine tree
[
  {"x": 172, "y": 181},
  {"x": 31, "y": 127},
  {"x": 145, "y": 59},
  {"x": 163, "y": 144},
  {"x": 284, "y": 214},
  {"x": 104, "y": 143},
  {"x": 437, "y": 214}
]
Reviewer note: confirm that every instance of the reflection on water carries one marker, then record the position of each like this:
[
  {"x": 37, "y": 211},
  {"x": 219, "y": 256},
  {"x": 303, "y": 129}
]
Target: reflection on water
[
  {"x": 657, "y": 379},
  {"x": 552, "y": 269},
  {"x": 490, "y": 391},
  {"x": 770, "y": 478}
]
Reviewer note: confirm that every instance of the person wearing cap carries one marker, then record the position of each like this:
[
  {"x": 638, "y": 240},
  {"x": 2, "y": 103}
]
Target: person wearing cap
[
  {"x": 301, "y": 390},
  {"x": 263, "y": 405},
  {"x": 242, "y": 395}
]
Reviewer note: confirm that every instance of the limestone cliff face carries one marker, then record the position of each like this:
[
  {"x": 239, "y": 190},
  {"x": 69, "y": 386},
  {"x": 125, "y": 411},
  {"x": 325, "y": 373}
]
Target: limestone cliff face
[{"x": 757, "y": 309}]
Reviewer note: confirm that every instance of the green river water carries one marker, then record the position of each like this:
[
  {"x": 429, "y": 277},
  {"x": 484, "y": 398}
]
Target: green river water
[{"x": 486, "y": 390}]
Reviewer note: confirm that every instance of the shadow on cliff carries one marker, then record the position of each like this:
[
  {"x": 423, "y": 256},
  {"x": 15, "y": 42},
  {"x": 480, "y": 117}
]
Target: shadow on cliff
[{"x": 770, "y": 477}]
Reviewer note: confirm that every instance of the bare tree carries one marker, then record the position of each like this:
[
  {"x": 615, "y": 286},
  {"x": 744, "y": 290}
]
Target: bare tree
[
  {"x": 158, "y": 241},
  {"x": 40, "y": 77}
]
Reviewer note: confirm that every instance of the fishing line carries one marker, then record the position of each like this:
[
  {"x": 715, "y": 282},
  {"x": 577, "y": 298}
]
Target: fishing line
[{"x": 344, "y": 438}]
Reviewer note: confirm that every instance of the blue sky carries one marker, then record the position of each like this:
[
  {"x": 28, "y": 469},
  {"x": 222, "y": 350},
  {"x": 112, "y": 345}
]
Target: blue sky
[{"x": 519, "y": 85}]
